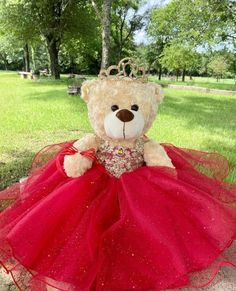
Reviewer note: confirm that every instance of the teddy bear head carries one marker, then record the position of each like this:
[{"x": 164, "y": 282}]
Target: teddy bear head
[{"x": 121, "y": 109}]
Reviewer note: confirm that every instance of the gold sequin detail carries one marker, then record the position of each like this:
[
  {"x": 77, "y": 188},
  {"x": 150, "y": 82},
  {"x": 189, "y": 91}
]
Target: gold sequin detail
[{"x": 118, "y": 160}]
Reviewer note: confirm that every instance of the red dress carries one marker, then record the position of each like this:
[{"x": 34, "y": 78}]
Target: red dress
[{"x": 149, "y": 228}]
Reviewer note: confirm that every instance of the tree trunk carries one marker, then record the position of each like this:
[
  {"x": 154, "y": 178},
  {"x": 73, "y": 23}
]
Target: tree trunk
[
  {"x": 5, "y": 62},
  {"x": 33, "y": 58},
  {"x": 26, "y": 58},
  {"x": 6, "y": 65},
  {"x": 177, "y": 75},
  {"x": 53, "y": 50},
  {"x": 183, "y": 75},
  {"x": 160, "y": 73},
  {"x": 106, "y": 32}
]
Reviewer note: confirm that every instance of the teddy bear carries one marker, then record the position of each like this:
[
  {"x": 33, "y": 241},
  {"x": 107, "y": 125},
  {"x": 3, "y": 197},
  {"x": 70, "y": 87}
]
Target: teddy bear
[
  {"x": 121, "y": 111},
  {"x": 115, "y": 210}
]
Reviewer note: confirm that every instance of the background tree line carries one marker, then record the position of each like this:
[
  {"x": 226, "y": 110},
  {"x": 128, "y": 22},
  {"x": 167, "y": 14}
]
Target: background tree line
[{"x": 193, "y": 37}]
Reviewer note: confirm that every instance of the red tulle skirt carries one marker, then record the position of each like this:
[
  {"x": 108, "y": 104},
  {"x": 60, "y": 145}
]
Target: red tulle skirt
[{"x": 152, "y": 229}]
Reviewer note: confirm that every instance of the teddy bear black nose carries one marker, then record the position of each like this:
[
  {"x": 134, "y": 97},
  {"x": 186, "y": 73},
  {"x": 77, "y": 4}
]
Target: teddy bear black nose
[{"x": 125, "y": 115}]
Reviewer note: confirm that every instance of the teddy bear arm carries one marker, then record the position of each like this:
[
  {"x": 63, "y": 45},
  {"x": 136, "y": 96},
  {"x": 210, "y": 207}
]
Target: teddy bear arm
[
  {"x": 155, "y": 155},
  {"x": 89, "y": 141},
  {"x": 77, "y": 164}
]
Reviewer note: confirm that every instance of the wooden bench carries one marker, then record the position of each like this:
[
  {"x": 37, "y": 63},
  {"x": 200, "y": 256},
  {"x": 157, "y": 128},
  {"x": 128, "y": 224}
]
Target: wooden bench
[
  {"x": 43, "y": 73},
  {"x": 73, "y": 90},
  {"x": 74, "y": 83},
  {"x": 26, "y": 75}
]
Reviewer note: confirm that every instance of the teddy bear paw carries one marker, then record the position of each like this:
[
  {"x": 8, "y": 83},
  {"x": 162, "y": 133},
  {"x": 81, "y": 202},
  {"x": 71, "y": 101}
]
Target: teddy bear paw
[{"x": 76, "y": 165}]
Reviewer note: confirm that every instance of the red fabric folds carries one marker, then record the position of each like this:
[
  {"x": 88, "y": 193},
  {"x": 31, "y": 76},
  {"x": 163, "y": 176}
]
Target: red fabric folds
[{"x": 152, "y": 229}]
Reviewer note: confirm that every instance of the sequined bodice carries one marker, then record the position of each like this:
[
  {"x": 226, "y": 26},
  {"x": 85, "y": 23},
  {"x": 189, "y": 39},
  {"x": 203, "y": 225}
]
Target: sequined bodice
[{"x": 118, "y": 160}]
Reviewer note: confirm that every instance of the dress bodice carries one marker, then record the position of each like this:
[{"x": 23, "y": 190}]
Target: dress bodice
[{"x": 119, "y": 159}]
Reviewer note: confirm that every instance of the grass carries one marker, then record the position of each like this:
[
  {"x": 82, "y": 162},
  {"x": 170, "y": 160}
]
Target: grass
[
  {"x": 36, "y": 113},
  {"x": 32, "y": 115},
  {"x": 223, "y": 84}
]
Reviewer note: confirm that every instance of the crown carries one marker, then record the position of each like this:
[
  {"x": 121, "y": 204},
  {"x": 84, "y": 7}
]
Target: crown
[{"x": 126, "y": 69}]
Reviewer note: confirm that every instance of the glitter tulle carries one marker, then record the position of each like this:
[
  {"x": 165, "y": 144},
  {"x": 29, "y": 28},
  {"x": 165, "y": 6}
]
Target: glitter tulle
[{"x": 151, "y": 229}]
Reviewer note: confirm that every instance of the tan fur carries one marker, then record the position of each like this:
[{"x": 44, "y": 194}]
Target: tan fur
[
  {"x": 155, "y": 155},
  {"x": 87, "y": 142},
  {"x": 100, "y": 95},
  {"x": 76, "y": 165}
]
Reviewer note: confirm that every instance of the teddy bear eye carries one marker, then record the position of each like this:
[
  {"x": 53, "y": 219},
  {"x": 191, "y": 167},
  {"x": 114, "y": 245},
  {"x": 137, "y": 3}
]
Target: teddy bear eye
[
  {"x": 114, "y": 107},
  {"x": 134, "y": 107}
]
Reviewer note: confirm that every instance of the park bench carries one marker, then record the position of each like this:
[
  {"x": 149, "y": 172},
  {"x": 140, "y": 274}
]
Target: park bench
[
  {"x": 73, "y": 90},
  {"x": 74, "y": 83},
  {"x": 26, "y": 75},
  {"x": 43, "y": 73}
]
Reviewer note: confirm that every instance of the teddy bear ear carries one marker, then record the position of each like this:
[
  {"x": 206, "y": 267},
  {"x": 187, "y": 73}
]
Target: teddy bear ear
[
  {"x": 159, "y": 93},
  {"x": 85, "y": 90}
]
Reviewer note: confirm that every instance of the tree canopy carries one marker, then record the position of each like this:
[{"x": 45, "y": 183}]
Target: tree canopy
[{"x": 184, "y": 36}]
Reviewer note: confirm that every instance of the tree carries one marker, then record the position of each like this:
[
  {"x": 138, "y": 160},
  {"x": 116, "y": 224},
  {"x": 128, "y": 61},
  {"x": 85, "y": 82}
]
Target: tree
[
  {"x": 106, "y": 31},
  {"x": 18, "y": 26},
  {"x": 10, "y": 55},
  {"x": 197, "y": 22},
  {"x": 149, "y": 56},
  {"x": 162, "y": 23},
  {"x": 219, "y": 66},
  {"x": 57, "y": 18},
  {"x": 226, "y": 12},
  {"x": 125, "y": 21},
  {"x": 81, "y": 56},
  {"x": 49, "y": 20},
  {"x": 105, "y": 19},
  {"x": 163, "y": 29},
  {"x": 179, "y": 58}
]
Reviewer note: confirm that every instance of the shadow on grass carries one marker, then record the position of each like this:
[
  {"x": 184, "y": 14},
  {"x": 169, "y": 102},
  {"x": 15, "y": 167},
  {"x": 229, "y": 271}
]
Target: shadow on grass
[
  {"x": 73, "y": 104},
  {"x": 211, "y": 113},
  {"x": 228, "y": 152},
  {"x": 56, "y": 94},
  {"x": 11, "y": 172},
  {"x": 214, "y": 115}
]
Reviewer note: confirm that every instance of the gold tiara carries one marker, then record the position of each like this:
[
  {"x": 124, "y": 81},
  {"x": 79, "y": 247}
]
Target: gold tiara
[{"x": 135, "y": 72}]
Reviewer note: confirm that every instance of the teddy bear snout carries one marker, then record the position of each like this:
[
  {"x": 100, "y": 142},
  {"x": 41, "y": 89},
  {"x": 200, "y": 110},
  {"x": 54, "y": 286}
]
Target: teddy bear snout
[{"x": 125, "y": 115}]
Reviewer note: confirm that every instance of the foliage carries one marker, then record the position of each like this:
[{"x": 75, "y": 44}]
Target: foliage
[
  {"x": 203, "y": 26},
  {"x": 197, "y": 22},
  {"x": 125, "y": 21},
  {"x": 177, "y": 57},
  {"x": 17, "y": 22},
  {"x": 39, "y": 56},
  {"x": 163, "y": 23},
  {"x": 219, "y": 66},
  {"x": 10, "y": 55},
  {"x": 80, "y": 56},
  {"x": 50, "y": 22},
  {"x": 58, "y": 31}
]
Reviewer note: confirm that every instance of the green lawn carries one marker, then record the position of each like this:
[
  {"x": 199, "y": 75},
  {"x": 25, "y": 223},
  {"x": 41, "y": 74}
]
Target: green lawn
[
  {"x": 36, "y": 113},
  {"x": 223, "y": 84}
]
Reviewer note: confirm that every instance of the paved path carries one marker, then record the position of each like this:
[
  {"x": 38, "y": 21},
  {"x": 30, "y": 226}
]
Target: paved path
[
  {"x": 226, "y": 281},
  {"x": 201, "y": 89}
]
